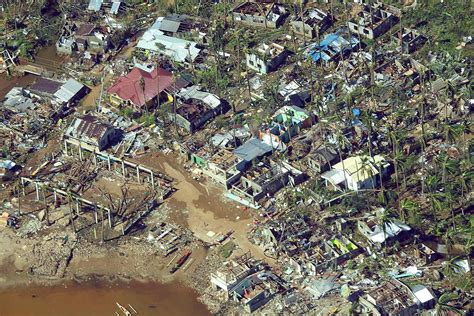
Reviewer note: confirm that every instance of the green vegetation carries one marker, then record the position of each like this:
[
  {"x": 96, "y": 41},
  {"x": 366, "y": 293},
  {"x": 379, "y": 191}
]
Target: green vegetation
[
  {"x": 226, "y": 250},
  {"x": 445, "y": 22},
  {"x": 147, "y": 119}
]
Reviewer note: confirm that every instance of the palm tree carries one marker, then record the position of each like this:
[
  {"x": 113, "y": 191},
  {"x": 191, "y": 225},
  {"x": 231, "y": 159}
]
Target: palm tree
[
  {"x": 387, "y": 218},
  {"x": 408, "y": 207},
  {"x": 443, "y": 307}
]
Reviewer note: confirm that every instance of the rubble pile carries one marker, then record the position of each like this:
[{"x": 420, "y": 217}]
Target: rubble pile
[{"x": 51, "y": 255}]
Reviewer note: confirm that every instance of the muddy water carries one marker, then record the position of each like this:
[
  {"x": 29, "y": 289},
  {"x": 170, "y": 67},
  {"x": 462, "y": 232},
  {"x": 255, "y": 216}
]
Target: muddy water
[{"x": 99, "y": 298}]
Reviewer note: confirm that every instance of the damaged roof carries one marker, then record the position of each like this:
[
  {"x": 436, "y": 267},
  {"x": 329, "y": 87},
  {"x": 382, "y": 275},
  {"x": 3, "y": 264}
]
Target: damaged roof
[{"x": 87, "y": 128}]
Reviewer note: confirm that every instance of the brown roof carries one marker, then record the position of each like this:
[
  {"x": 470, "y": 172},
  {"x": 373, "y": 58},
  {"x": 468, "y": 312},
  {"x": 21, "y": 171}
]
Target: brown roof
[{"x": 85, "y": 29}]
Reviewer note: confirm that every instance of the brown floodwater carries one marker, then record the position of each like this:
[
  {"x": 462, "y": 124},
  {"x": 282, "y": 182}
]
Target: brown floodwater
[{"x": 99, "y": 298}]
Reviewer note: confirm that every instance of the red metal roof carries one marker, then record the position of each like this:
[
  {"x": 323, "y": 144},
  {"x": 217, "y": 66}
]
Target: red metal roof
[{"x": 131, "y": 86}]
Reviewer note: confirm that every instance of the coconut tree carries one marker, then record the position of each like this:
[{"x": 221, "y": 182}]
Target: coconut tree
[
  {"x": 443, "y": 306},
  {"x": 386, "y": 219},
  {"x": 408, "y": 207}
]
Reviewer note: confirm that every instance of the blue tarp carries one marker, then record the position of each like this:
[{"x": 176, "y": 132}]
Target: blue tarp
[{"x": 332, "y": 45}]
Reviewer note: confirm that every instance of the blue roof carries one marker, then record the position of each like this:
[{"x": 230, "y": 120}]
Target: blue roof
[
  {"x": 331, "y": 45},
  {"x": 251, "y": 149},
  {"x": 95, "y": 5}
]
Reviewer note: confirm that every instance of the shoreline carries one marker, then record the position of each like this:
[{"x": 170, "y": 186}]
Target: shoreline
[{"x": 99, "y": 263}]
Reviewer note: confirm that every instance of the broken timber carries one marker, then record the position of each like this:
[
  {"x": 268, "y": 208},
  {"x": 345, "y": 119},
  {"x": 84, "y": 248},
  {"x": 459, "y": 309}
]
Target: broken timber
[
  {"x": 79, "y": 200},
  {"x": 141, "y": 172}
]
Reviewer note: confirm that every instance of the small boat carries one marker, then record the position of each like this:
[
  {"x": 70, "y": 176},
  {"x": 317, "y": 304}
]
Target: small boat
[
  {"x": 180, "y": 261},
  {"x": 123, "y": 309}
]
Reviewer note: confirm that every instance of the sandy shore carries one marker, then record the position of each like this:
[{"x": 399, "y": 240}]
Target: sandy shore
[{"x": 58, "y": 251}]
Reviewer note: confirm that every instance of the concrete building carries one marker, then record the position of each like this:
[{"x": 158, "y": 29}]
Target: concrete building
[
  {"x": 356, "y": 173},
  {"x": 286, "y": 123},
  {"x": 224, "y": 168},
  {"x": 372, "y": 21},
  {"x": 266, "y": 58},
  {"x": 411, "y": 40},
  {"x": 311, "y": 23},
  {"x": 262, "y": 13}
]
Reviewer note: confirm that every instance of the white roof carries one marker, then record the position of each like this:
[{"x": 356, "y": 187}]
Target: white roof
[
  {"x": 361, "y": 168},
  {"x": 287, "y": 90},
  {"x": 193, "y": 92},
  {"x": 334, "y": 176},
  {"x": 68, "y": 90},
  {"x": 423, "y": 295},
  {"x": 175, "y": 48},
  {"x": 391, "y": 229}
]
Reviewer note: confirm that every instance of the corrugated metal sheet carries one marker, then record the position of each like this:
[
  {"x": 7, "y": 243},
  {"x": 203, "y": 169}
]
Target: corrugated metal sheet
[
  {"x": 252, "y": 149},
  {"x": 68, "y": 90},
  {"x": 115, "y": 7},
  {"x": 95, "y": 5}
]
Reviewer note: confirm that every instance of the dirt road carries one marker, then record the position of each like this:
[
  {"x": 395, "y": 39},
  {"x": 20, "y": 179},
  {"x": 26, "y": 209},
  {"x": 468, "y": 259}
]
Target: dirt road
[{"x": 203, "y": 208}]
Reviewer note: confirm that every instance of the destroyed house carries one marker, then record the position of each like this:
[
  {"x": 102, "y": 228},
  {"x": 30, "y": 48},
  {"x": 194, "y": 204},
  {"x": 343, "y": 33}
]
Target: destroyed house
[
  {"x": 7, "y": 167},
  {"x": 192, "y": 115},
  {"x": 263, "y": 180},
  {"x": 266, "y": 58},
  {"x": 311, "y": 23},
  {"x": 224, "y": 168},
  {"x": 255, "y": 290},
  {"x": 197, "y": 151},
  {"x": 291, "y": 233},
  {"x": 295, "y": 92},
  {"x": 19, "y": 100},
  {"x": 411, "y": 40},
  {"x": 260, "y": 13},
  {"x": 108, "y": 6},
  {"x": 82, "y": 37},
  {"x": 356, "y": 173},
  {"x": 231, "y": 273},
  {"x": 286, "y": 123},
  {"x": 373, "y": 21},
  {"x": 331, "y": 252},
  {"x": 141, "y": 88},
  {"x": 372, "y": 229},
  {"x": 333, "y": 46},
  {"x": 89, "y": 130},
  {"x": 196, "y": 108},
  {"x": 390, "y": 298},
  {"x": 321, "y": 159}
]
